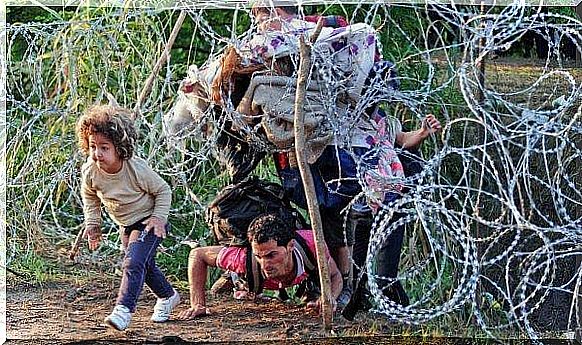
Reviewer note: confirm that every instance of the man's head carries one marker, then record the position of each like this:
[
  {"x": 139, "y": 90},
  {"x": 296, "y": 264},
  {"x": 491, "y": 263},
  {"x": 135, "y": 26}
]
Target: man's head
[{"x": 272, "y": 242}]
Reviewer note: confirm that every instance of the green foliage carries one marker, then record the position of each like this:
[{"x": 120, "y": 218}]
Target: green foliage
[
  {"x": 173, "y": 262},
  {"x": 36, "y": 267}
]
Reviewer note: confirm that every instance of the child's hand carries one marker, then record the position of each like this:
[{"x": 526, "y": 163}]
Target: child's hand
[
  {"x": 157, "y": 224},
  {"x": 93, "y": 234},
  {"x": 431, "y": 124}
]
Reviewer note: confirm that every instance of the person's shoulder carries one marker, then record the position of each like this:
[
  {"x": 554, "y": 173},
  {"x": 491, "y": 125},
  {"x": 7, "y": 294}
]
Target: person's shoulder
[
  {"x": 142, "y": 172},
  {"x": 138, "y": 164},
  {"x": 307, "y": 235},
  {"x": 88, "y": 167}
]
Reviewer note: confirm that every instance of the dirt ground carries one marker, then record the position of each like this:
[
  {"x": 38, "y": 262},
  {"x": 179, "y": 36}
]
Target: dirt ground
[
  {"x": 71, "y": 306},
  {"x": 69, "y": 310}
]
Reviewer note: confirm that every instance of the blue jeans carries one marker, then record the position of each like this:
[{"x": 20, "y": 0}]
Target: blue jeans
[
  {"x": 332, "y": 196},
  {"x": 139, "y": 267}
]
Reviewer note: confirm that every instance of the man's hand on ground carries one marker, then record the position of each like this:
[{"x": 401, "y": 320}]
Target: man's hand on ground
[
  {"x": 193, "y": 312},
  {"x": 316, "y": 305}
]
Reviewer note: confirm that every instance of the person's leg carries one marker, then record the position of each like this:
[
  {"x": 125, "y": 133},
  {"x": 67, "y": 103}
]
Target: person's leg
[
  {"x": 136, "y": 258},
  {"x": 132, "y": 279},
  {"x": 157, "y": 282},
  {"x": 338, "y": 169},
  {"x": 337, "y": 237},
  {"x": 140, "y": 266},
  {"x": 154, "y": 278},
  {"x": 338, "y": 241},
  {"x": 360, "y": 223},
  {"x": 388, "y": 261},
  {"x": 341, "y": 255},
  {"x": 168, "y": 298},
  {"x": 389, "y": 254}
]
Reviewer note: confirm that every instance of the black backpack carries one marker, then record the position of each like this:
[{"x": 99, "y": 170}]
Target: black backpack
[
  {"x": 237, "y": 205},
  {"x": 237, "y": 156}
]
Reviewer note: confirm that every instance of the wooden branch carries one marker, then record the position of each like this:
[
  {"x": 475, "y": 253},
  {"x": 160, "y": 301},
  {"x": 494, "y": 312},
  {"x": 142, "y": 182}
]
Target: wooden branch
[
  {"x": 313, "y": 207},
  {"x": 165, "y": 54},
  {"x": 579, "y": 63},
  {"x": 77, "y": 244},
  {"x": 18, "y": 274}
]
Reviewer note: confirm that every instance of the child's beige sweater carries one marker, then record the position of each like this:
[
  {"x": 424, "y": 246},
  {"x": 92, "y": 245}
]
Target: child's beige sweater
[{"x": 133, "y": 193}]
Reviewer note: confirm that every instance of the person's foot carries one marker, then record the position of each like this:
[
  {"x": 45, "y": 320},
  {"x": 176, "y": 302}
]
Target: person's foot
[
  {"x": 345, "y": 296},
  {"x": 119, "y": 318},
  {"x": 360, "y": 301},
  {"x": 164, "y": 307},
  {"x": 396, "y": 293}
]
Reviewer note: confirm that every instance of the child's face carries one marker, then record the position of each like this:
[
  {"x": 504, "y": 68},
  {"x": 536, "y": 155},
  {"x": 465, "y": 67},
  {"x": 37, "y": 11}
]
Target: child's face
[{"x": 103, "y": 152}]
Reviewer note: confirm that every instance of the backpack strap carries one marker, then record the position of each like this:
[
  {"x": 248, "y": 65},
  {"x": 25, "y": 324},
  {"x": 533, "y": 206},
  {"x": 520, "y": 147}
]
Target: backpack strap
[
  {"x": 309, "y": 260},
  {"x": 254, "y": 276},
  {"x": 310, "y": 288}
]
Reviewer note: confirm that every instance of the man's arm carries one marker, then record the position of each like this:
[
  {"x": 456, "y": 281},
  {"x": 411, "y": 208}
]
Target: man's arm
[
  {"x": 198, "y": 262},
  {"x": 336, "y": 285},
  {"x": 412, "y": 140}
]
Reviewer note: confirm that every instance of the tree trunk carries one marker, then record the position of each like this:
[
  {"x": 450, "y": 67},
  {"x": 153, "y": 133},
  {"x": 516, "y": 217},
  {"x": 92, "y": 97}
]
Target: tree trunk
[{"x": 578, "y": 52}]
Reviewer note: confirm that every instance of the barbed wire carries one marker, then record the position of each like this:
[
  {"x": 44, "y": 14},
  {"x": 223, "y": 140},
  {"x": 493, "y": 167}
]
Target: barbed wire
[{"x": 497, "y": 205}]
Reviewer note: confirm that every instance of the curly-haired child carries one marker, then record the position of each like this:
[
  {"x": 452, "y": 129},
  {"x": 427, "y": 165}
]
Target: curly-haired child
[{"x": 135, "y": 197}]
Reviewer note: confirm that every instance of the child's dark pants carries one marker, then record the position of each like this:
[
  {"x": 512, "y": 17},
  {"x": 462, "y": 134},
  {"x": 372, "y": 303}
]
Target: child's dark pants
[{"x": 139, "y": 267}]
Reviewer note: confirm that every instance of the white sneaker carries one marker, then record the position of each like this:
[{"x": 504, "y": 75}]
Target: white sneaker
[
  {"x": 119, "y": 318},
  {"x": 164, "y": 307}
]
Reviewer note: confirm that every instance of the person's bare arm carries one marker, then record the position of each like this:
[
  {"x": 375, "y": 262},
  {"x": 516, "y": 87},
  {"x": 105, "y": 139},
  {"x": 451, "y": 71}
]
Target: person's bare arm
[
  {"x": 336, "y": 285},
  {"x": 198, "y": 262},
  {"x": 412, "y": 140}
]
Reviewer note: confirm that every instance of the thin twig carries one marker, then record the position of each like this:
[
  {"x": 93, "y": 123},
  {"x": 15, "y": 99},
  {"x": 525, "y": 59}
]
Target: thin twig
[
  {"x": 76, "y": 245},
  {"x": 18, "y": 274},
  {"x": 165, "y": 54}
]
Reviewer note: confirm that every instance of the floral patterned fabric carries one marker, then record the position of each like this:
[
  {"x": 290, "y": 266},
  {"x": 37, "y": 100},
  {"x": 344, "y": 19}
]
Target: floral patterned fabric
[
  {"x": 350, "y": 49},
  {"x": 381, "y": 168},
  {"x": 344, "y": 57}
]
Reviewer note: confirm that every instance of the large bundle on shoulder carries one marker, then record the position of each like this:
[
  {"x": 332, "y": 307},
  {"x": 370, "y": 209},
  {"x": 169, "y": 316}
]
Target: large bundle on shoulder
[
  {"x": 200, "y": 113},
  {"x": 342, "y": 57}
]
